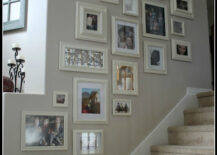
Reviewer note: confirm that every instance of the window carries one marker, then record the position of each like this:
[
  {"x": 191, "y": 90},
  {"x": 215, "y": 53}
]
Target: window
[{"x": 13, "y": 14}]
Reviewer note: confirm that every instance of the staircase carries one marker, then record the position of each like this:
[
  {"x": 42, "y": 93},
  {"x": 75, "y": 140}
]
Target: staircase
[{"x": 196, "y": 137}]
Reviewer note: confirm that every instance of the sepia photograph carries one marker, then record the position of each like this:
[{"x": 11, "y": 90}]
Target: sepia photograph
[{"x": 121, "y": 107}]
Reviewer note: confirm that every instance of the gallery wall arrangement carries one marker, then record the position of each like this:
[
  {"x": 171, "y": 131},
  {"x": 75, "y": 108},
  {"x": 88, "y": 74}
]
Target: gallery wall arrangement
[{"x": 91, "y": 97}]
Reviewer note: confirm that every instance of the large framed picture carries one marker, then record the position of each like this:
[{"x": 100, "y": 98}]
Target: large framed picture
[
  {"x": 111, "y": 1},
  {"x": 122, "y": 107},
  {"x": 181, "y": 50},
  {"x": 130, "y": 7},
  {"x": 155, "y": 20},
  {"x": 86, "y": 142},
  {"x": 90, "y": 101},
  {"x": 125, "y": 77},
  {"x": 155, "y": 58},
  {"x": 81, "y": 58},
  {"x": 182, "y": 8},
  {"x": 91, "y": 22},
  {"x": 44, "y": 131},
  {"x": 60, "y": 99},
  {"x": 125, "y": 37},
  {"x": 177, "y": 27}
]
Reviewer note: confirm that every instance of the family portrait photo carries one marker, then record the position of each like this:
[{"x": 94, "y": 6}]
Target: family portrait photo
[
  {"x": 121, "y": 107},
  {"x": 91, "y": 22}
]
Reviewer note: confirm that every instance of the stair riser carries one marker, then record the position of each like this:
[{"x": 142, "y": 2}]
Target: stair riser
[
  {"x": 206, "y": 101},
  {"x": 205, "y": 118},
  {"x": 195, "y": 138},
  {"x": 163, "y": 153}
]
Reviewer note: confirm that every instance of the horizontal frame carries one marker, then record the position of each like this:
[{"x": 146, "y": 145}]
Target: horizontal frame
[
  {"x": 119, "y": 52},
  {"x": 38, "y": 148},
  {"x": 172, "y": 27},
  {"x": 175, "y": 56},
  {"x": 111, "y": 1},
  {"x": 166, "y": 37},
  {"x": 122, "y": 114},
  {"x": 135, "y": 77},
  {"x": 62, "y": 66},
  {"x": 128, "y": 12},
  {"x": 54, "y": 99},
  {"x": 80, "y": 27},
  {"x": 146, "y": 58},
  {"x": 76, "y": 131},
  {"x": 75, "y": 101}
]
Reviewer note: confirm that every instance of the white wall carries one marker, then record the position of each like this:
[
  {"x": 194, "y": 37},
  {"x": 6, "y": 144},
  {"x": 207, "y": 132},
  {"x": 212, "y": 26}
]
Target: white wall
[{"x": 32, "y": 40}]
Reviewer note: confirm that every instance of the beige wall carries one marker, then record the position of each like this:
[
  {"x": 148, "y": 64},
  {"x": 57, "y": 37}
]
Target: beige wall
[{"x": 158, "y": 94}]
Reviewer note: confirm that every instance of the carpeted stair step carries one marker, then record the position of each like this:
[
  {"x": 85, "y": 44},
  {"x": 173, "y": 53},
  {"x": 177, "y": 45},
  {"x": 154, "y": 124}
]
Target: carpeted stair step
[
  {"x": 206, "y": 99},
  {"x": 198, "y": 135}
]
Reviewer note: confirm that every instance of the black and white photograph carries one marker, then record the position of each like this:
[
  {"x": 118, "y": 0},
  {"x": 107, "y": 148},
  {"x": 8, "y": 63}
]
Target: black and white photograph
[
  {"x": 130, "y": 7},
  {"x": 182, "y": 4},
  {"x": 91, "y": 22},
  {"x": 177, "y": 27},
  {"x": 121, "y": 107}
]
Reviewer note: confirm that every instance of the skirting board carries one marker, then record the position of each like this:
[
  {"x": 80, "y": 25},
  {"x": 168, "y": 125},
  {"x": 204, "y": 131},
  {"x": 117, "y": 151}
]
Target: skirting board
[{"x": 159, "y": 134}]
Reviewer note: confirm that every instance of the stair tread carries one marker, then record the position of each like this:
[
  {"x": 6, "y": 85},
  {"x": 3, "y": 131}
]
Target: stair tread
[
  {"x": 199, "y": 110},
  {"x": 182, "y": 149},
  {"x": 205, "y": 128},
  {"x": 205, "y": 94}
]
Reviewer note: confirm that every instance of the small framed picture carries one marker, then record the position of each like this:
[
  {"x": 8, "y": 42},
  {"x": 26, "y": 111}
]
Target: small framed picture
[
  {"x": 130, "y": 7},
  {"x": 177, "y": 27},
  {"x": 81, "y": 58},
  {"x": 91, "y": 22},
  {"x": 88, "y": 142},
  {"x": 125, "y": 37},
  {"x": 155, "y": 20},
  {"x": 60, "y": 99},
  {"x": 90, "y": 101},
  {"x": 181, "y": 50},
  {"x": 125, "y": 77},
  {"x": 155, "y": 58},
  {"x": 182, "y": 8},
  {"x": 44, "y": 131},
  {"x": 122, "y": 107}
]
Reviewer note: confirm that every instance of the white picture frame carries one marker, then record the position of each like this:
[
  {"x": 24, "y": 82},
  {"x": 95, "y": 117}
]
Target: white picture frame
[
  {"x": 155, "y": 58},
  {"x": 91, "y": 22},
  {"x": 83, "y": 58},
  {"x": 125, "y": 77},
  {"x": 60, "y": 99},
  {"x": 90, "y": 101},
  {"x": 183, "y": 8},
  {"x": 111, "y": 1},
  {"x": 151, "y": 27},
  {"x": 82, "y": 142},
  {"x": 129, "y": 46},
  {"x": 33, "y": 118},
  {"x": 131, "y": 7},
  {"x": 181, "y": 50},
  {"x": 177, "y": 27},
  {"x": 122, "y": 107}
]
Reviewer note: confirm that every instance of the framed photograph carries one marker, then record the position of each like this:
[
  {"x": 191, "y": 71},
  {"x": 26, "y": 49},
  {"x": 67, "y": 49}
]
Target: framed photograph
[
  {"x": 181, "y": 50},
  {"x": 91, "y": 22},
  {"x": 82, "y": 58},
  {"x": 122, "y": 107},
  {"x": 125, "y": 37},
  {"x": 44, "y": 131},
  {"x": 60, "y": 99},
  {"x": 90, "y": 101},
  {"x": 111, "y": 1},
  {"x": 182, "y": 8},
  {"x": 155, "y": 20},
  {"x": 177, "y": 27},
  {"x": 125, "y": 77},
  {"x": 130, "y": 7},
  {"x": 155, "y": 58},
  {"x": 88, "y": 142}
]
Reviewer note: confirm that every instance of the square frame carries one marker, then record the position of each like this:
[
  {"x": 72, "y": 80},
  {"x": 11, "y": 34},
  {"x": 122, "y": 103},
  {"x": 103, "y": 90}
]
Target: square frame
[
  {"x": 176, "y": 56},
  {"x": 121, "y": 51},
  {"x": 145, "y": 33},
  {"x": 88, "y": 118},
  {"x": 122, "y": 100},
  {"x": 38, "y": 148},
  {"x": 134, "y": 65},
  {"x": 111, "y": 1},
  {"x": 180, "y": 12},
  {"x": 131, "y": 13},
  {"x": 147, "y": 58},
  {"x": 55, "y": 104},
  {"x": 76, "y": 131},
  {"x": 172, "y": 27},
  {"x": 81, "y": 32},
  {"x": 79, "y": 68}
]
